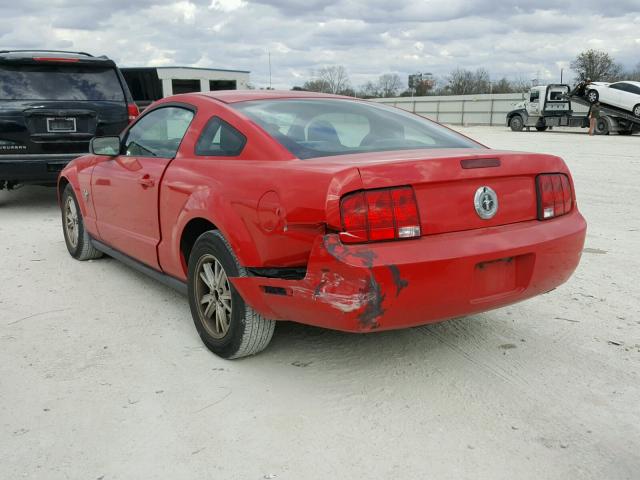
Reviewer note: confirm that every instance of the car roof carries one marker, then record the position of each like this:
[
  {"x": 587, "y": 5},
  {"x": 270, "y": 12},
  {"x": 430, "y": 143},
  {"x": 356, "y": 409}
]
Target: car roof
[
  {"x": 53, "y": 56},
  {"x": 631, "y": 82},
  {"x": 234, "y": 96}
]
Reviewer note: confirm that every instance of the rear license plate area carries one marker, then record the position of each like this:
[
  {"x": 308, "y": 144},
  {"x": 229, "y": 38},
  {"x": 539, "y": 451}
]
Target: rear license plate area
[
  {"x": 502, "y": 277},
  {"x": 61, "y": 124}
]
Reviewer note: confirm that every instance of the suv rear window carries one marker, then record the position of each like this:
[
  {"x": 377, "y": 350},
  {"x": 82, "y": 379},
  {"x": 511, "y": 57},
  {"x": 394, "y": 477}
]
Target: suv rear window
[{"x": 54, "y": 82}]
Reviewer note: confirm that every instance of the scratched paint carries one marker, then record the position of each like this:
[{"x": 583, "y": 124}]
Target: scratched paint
[{"x": 342, "y": 294}]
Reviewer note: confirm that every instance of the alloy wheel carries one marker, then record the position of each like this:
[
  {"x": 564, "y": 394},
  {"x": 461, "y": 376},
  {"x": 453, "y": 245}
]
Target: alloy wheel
[
  {"x": 213, "y": 294},
  {"x": 71, "y": 221}
]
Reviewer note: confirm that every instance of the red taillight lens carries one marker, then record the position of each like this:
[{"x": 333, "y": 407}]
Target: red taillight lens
[
  {"x": 133, "y": 111},
  {"x": 382, "y": 214},
  {"x": 354, "y": 218},
  {"x": 554, "y": 195}
]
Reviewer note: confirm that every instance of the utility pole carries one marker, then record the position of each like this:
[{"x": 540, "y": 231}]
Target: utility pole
[
  {"x": 561, "y": 72},
  {"x": 270, "y": 70}
]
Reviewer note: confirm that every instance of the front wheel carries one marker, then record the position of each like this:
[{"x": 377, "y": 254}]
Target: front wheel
[
  {"x": 592, "y": 96},
  {"x": 226, "y": 324},
  {"x": 75, "y": 236},
  {"x": 636, "y": 110},
  {"x": 516, "y": 123}
]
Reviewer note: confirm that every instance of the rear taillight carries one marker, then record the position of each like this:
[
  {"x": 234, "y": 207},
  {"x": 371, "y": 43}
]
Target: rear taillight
[
  {"x": 554, "y": 195},
  {"x": 382, "y": 214},
  {"x": 132, "y": 111}
]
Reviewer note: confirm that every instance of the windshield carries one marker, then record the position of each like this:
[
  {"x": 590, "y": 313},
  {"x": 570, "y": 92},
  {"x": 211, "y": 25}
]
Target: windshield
[
  {"x": 323, "y": 127},
  {"x": 54, "y": 82}
]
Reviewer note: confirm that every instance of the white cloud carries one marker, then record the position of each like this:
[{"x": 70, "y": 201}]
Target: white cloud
[
  {"x": 516, "y": 39},
  {"x": 227, "y": 5}
]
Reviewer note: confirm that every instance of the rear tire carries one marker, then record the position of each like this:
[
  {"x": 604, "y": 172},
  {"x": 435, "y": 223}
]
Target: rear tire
[
  {"x": 602, "y": 127},
  {"x": 592, "y": 96},
  {"x": 636, "y": 110},
  {"x": 516, "y": 123},
  {"x": 226, "y": 324},
  {"x": 75, "y": 236},
  {"x": 541, "y": 129}
]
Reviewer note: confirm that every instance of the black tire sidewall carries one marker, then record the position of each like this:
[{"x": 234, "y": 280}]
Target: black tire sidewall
[
  {"x": 601, "y": 122},
  {"x": 634, "y": 110},
  {"x": 520, "y": 123},
  {"x": 211, "y": 244},
  {"x": 68, "y": 192}
]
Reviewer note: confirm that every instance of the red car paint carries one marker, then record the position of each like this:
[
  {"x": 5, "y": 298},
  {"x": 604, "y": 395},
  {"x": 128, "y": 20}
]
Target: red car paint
[{"x": 278, "y": 211}]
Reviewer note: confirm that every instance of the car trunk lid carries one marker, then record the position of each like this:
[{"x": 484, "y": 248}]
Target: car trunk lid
[{"x": 446, "y": 181}]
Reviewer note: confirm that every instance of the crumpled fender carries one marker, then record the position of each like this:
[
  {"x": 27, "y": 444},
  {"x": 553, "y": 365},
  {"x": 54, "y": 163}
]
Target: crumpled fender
[{"x": 347, "y": 290}]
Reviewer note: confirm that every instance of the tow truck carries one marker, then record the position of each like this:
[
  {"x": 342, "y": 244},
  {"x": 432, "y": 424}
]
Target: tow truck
[{"x": 550, "y": 106}]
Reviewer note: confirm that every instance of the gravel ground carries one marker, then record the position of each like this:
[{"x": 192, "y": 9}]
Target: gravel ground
[{"x": 102, "y": 374}]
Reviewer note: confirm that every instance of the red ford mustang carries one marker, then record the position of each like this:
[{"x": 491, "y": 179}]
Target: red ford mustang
[{"x": 324, "y": 210}]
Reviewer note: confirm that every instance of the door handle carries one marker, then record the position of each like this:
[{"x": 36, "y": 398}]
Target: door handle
[{"x": 146, "y": 181}]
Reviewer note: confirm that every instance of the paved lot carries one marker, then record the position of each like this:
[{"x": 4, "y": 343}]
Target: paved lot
[{"x": 102, "y": 375}]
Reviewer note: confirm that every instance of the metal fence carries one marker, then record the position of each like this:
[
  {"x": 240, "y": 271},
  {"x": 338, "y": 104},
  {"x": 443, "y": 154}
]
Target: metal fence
[{"x": 485, "y": 109}]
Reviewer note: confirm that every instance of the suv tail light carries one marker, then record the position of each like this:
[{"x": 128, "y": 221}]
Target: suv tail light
[
  {"x": 382, "y": 214},
  {"x": 133, "y": 111},
  {"x": 555, "y": 197}
]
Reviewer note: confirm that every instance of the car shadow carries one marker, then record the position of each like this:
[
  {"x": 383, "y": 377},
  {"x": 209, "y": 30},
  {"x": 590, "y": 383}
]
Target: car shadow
[
  {"x": 28, "y": 197},
  {"x": 306, "y": 346}
]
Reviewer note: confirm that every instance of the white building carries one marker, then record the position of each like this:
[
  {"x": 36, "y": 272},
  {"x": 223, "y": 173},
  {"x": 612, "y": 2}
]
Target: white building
[{"x": 148, "y": 84}]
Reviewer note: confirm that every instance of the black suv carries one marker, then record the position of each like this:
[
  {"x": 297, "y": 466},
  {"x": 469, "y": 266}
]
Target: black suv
[{"x": 51, "y": 104}]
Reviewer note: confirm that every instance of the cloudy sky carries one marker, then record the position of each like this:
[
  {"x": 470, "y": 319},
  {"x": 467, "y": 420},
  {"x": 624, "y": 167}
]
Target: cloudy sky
[{"x": 516, "y": 39}]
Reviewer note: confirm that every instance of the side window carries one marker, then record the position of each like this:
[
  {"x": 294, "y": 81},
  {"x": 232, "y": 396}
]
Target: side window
[
  {"x": 219, "y": 139},
  {"x": 634, "y": 89},
  {"x": 534, "y": 96},
  {"x": 158, "y": 133},
  {"x": 617, "y": 86}
]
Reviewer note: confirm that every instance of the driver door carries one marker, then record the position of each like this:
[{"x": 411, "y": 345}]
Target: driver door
[
  {"x": 125, "y": 188},
  {"x": 533, "y": 107}
]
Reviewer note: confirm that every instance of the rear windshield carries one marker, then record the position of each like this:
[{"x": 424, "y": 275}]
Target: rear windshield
[
  {"x": 52, "y": 82},
  {"x": 313, "y": 128}
]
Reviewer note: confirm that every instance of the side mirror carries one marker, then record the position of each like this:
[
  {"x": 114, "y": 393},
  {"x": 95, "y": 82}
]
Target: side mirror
[{"x": 109, "y": 146}]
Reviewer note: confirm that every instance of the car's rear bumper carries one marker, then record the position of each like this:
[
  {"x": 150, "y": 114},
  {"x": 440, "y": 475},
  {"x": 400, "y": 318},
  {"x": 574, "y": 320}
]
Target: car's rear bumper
[
  {"x": 413, "y": 282},
  {"x": 37, "y": 168}
]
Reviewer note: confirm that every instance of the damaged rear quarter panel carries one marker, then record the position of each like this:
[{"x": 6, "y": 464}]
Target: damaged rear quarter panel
[{"x": 344, "y": 297}]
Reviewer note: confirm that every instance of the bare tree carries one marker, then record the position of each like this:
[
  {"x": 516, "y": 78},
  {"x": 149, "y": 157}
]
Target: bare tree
[
  {"x": 369, "y": 90},
  {"x": 335, "y": 77},
  {"x": 635, "y": 74},
  {"x": 481, "y": 81},
  {"x": 596, "y": 65},
  {"x": 318, "y": 85},
  {"x": 502, "y": 86},
  {"x": 465, "y": 82},
  {"x": 520, "y": 84},
  {"x": 389, "y": 84}
]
